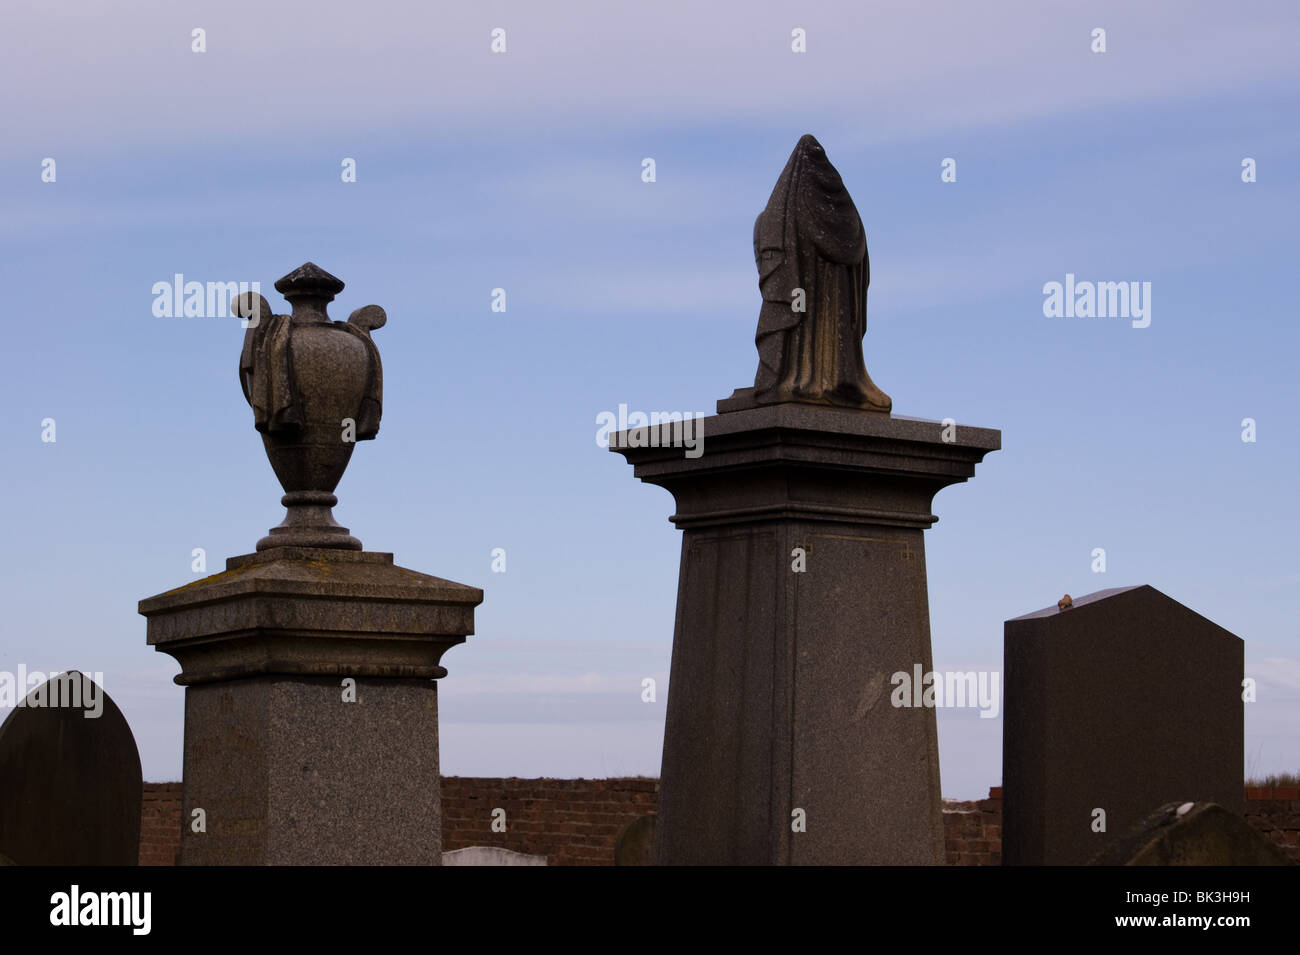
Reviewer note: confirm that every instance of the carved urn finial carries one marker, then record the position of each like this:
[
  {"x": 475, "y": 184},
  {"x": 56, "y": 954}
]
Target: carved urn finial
[{"x": 316, "y": 388}]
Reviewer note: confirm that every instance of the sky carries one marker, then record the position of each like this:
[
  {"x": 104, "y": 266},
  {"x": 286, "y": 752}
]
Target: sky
[{"x": 522, "y": 170}]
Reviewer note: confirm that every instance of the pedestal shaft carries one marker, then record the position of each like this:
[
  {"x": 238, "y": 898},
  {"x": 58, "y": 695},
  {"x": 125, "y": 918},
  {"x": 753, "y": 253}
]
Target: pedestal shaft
[
  {"x": 288, "y": 773},
  {"x": 802, "y": 592},
  {"x": 779, "y": 700}
]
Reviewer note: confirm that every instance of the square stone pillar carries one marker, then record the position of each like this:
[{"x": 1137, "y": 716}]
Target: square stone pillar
[
  {"x": 780, "y": 692},
  {"x": 311, "y": 707}
]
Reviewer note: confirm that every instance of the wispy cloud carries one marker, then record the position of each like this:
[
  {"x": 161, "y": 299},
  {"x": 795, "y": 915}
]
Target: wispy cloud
[
  {"x": 125, "y": 72},
  {"x": 1279, "y": 672}
]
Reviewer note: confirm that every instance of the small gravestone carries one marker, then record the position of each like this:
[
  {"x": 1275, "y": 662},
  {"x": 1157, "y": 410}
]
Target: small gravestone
[
  {"x": 70, "y": 782},
  {"x": 490, "y": 855},
  {"x": 635, "y": 845},
  {"x": 1192, "y": 834},
  {"x": 1115, "y": 702}
]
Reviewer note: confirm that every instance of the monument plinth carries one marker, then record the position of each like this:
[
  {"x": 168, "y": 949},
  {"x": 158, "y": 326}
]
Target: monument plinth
[
  {"x": 802, "y": 588},
  {"x": 311, "y": 711}
]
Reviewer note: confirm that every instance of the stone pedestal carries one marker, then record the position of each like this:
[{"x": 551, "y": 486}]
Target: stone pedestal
[
  {"x": 780, "y": 692},
  {"x": 291, "y": 763}
]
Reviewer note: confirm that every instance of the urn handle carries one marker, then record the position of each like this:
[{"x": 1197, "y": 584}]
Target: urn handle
[{"x": 368, "y": 318}]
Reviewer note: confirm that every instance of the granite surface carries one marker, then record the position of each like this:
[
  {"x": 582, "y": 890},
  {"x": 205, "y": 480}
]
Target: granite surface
[{"x": 289, "y": 773}]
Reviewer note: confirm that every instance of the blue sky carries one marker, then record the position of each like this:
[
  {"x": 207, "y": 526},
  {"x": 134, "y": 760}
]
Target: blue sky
[{"x": 523, "y": 171}]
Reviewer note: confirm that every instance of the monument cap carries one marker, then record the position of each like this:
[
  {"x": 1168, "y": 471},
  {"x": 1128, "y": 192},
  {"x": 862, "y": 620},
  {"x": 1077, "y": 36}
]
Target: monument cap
[{"x": 309, "y": 279}]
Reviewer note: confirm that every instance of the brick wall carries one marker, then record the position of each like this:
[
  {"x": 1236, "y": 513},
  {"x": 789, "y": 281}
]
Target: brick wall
[
  {"x": 570, "y": 821},
  {"x": 972, "y": 830},
  {"x": 160, "y": 824},
  {"x": 575, "y": 821},
  {"x": 1276, "y": 813}
]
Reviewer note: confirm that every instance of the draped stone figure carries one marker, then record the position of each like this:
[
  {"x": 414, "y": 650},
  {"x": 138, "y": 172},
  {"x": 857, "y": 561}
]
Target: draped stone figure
[{"x": 811, "y": 252}]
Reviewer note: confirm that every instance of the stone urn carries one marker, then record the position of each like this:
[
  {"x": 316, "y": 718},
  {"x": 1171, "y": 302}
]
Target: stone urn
[{"x": 316, "y": 388}]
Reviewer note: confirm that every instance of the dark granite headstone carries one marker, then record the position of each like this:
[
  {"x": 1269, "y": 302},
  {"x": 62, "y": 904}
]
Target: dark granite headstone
[
  {"x": 70, "y": 785},
  {"x": 1122, "y": 701},
  {"x": 1192, "y": 834}
]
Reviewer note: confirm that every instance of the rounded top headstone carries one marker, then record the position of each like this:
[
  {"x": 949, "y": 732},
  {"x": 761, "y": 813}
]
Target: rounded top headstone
[{"x": 70, "y": 781}]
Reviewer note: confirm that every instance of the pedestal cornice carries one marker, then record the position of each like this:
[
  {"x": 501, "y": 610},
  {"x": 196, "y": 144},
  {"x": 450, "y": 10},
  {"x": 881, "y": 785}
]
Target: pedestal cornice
[
  {"x": 775, "y": 462},
  {"x": 311, "y": 612}
]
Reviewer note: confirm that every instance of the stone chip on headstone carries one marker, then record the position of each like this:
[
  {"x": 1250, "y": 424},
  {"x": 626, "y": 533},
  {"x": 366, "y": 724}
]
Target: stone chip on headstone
[{"x": 490, "y": 855}]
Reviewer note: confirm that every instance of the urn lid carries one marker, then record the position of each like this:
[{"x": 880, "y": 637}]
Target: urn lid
[{"x": 309, "y": 281}]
